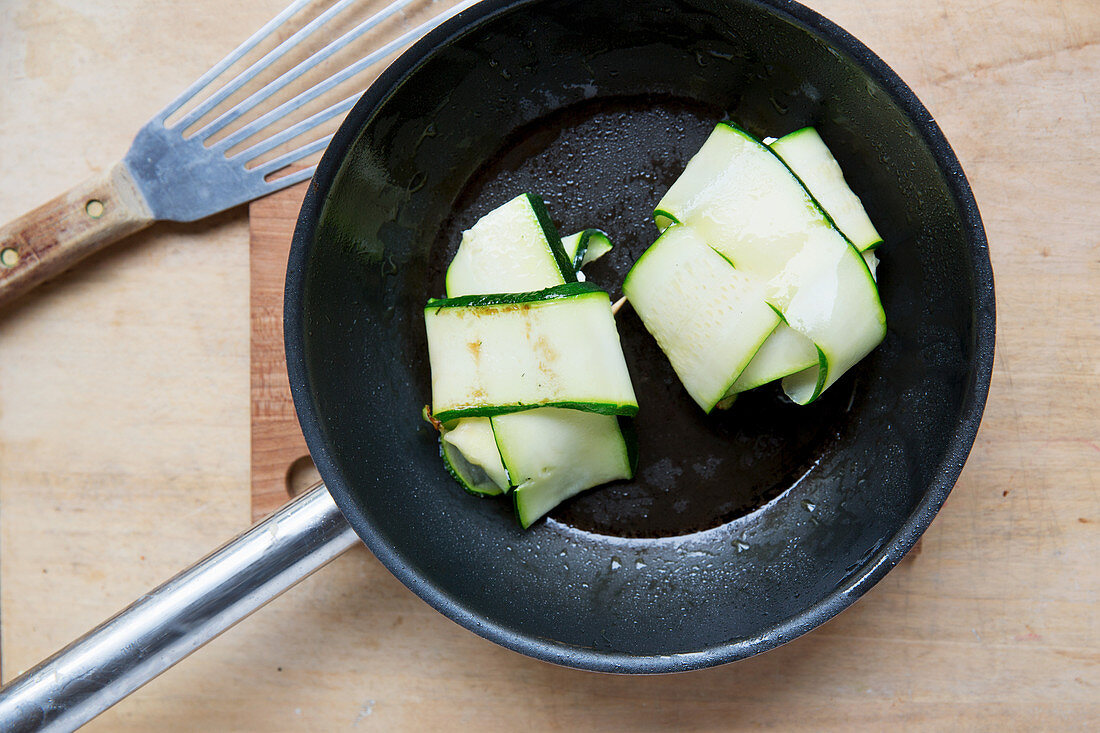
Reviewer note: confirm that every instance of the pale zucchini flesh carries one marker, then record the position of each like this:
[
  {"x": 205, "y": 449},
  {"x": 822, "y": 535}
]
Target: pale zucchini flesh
[
  {"x": 496, "y": 354},
  {"x": 574, "y": 451},
  {"x": 701, "y": 172},
  {"x": 786, "y": 351},
  {"x": 470, "y": 452},
  {"x": 750, "y": 208},
  {"x": 828, "y": 295},
  {"x": 586, "y": 246},
  {"x": 807, "y": 155},
  {"x": 871, "y": 259},
  {"x": 707, "y": 317},
  {"x": 599, "y": 244},
  {"x": 514, "y": 248}
]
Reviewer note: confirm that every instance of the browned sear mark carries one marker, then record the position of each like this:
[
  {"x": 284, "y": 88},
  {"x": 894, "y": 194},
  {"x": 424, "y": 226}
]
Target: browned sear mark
[
  {"x": 508, "y": 308},
  {"x": 431, "y": 419},
  {"x": 545, "y": 350}
]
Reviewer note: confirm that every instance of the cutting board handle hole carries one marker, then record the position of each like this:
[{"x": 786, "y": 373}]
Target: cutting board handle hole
[{"x": 301, "y": 475}]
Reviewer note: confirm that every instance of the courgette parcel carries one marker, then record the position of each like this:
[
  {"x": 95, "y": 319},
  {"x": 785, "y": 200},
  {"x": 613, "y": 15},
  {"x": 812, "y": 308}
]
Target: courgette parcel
[
  {"x": 495, "y": 354},
  {"x": 528, "y": 377},
  {"x": 791, "y": 238}
]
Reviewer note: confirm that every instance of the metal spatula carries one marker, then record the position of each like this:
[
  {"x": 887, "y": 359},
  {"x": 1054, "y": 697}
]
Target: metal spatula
[{"x": 174, "y": 173}]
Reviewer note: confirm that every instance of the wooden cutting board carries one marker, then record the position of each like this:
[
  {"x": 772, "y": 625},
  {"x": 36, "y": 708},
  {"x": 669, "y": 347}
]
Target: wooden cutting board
[{"x": 280, "y": 460}]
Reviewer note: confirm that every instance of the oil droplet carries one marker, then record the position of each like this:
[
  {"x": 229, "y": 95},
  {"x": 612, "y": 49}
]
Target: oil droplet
[
  {"x": 741, "y": 546},
  {"x": 615, "y": 564},
  {"x": 808, "y": 505},
  {"x": 639, "y": 564}
]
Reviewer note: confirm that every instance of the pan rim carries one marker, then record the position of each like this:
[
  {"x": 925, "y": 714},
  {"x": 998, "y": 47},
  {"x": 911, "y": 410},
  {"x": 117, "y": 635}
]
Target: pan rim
[{"x": 874, "y": 569}]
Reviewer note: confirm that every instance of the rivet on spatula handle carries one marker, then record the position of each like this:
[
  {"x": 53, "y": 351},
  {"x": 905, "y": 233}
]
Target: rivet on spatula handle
[{"x": 61, "y": 232}]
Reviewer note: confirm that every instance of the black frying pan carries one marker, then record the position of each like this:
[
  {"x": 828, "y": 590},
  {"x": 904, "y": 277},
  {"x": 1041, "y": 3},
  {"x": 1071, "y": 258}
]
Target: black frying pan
[{"x": 743, "y": 529}]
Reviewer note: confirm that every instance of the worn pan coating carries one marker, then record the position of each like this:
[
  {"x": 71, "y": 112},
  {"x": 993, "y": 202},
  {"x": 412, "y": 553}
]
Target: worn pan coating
[{"x": 743, "y": 529}]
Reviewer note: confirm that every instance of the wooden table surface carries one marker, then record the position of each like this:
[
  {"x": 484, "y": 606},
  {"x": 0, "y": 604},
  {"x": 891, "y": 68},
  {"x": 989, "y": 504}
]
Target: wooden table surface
[{"x": 124, "y": 425}]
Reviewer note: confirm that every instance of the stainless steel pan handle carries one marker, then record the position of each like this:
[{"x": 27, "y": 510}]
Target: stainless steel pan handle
[{"x": 164, "y": 626}]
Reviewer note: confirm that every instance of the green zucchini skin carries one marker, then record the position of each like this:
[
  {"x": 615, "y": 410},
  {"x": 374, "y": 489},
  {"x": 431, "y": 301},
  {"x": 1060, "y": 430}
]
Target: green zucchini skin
[
  {"x": 794, "y": 385},
  {"x": 600, "y": 408},
  {"x": 467, "y": 485},
  {"x": 568, "y": 272},
  {"x": 660, "y": 215},
  {"x": 586, "y": 246},
  {"x": 469, "y": 451},
  {"x": 598, "y": 244},
  {"x": 575, "y": 246},
  {"x": 558, "y": 292},
  {"x": 766, "y": 366},
  {"x": 793, "y": 149},
  {"x": 513, "y": 248},
  {"x": 630, "y": 437}
]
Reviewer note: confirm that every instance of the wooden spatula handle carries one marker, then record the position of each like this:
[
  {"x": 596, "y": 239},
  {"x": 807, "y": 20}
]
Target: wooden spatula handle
[{"x": 56, "y": 235}]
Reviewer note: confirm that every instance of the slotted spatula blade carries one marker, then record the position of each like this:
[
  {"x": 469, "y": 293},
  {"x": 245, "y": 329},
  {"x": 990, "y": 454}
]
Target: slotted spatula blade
[{"x": 174, "y": 172}]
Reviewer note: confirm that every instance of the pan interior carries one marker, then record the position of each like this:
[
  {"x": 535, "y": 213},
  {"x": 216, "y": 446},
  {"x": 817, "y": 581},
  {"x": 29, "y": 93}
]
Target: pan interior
[
  {"x": 737, "y": 522},
  {"x": 604, "y": 163}
]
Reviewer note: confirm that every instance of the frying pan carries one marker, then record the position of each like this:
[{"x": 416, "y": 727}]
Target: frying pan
[{"x": 743, "y": 529}]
